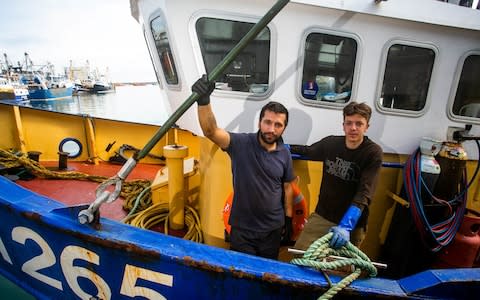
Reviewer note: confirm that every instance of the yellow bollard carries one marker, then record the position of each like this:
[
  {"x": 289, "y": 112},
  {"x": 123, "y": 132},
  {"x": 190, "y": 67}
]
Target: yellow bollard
[{"x": 175, "y": 155}]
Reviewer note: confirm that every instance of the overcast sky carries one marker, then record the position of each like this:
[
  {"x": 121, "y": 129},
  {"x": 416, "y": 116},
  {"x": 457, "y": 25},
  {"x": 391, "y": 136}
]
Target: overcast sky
[{"x": 100, "y": 31}]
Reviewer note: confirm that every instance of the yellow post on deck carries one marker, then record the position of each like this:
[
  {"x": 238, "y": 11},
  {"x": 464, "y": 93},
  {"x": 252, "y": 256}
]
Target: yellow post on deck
[{"x": 175, "y": 155}]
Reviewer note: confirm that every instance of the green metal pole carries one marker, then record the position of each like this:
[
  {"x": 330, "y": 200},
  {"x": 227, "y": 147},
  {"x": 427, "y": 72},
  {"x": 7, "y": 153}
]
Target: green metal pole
[{"x": 254, "y": 31}]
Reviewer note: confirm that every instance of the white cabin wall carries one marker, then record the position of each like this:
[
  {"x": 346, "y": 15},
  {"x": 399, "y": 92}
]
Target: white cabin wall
[
  {"x": 177, "y": 14},
  {"x": 418, "y": 10},
  {"x": 396, "y": 134},
  {"x": 307, "y": 123},
  {"x": 152, "y": 5},
  {"x": 231, "y": 110},
  {"x": 399, "y": 134}
]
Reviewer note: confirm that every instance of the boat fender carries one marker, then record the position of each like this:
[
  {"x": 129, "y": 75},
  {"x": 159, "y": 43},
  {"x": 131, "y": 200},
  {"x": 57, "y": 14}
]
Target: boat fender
[
  {"x": 300, "y": 211},
  {"x": 299, "y": 218}
]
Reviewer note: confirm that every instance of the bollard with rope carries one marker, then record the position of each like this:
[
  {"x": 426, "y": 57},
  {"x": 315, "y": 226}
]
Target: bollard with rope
[{"x": 104, "y": 196}]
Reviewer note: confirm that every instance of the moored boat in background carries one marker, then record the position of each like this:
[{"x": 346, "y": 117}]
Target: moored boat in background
[
  {"x": 9, "y": 91},
  {"x": 10, "y": 87},
  {"x": 87, "y": 80},
  {"x": 102, "y": 86},
  {"x": 42, "y": 82},
  {"x": 40, "y": 88}
]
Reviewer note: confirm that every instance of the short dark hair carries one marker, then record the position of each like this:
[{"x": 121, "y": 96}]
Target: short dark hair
[
  {"x": 362, "y": 109},
  {"x": 277, "y": 108}
]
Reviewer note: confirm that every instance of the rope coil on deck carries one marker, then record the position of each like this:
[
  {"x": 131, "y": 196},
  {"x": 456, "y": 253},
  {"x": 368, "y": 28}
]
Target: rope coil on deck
[
  {"x": 130, "y": 189},
  {"x": 137, "y": 195},
  {"x": 319, "y": 251},
  {"x": 158, "y": 214}
]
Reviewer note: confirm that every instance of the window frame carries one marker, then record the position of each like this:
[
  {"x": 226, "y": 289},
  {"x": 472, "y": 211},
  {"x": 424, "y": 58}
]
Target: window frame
[
  {"x": 148, "y": 36},
  {"x": 200, "y": 64},
  {"x": 159, "y": 13},
  {"x": 301, "y": 61},
  {"x": 454, "y": 88},
  {"x": 381, "y": 75}
]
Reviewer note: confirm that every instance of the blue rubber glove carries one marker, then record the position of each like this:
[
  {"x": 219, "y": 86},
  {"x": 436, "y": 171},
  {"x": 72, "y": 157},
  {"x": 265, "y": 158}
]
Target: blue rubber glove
[
  {"x": 341, "y": 233},
  {"x": 340, "y": 237},
  {"x": 203, "y": 88}
]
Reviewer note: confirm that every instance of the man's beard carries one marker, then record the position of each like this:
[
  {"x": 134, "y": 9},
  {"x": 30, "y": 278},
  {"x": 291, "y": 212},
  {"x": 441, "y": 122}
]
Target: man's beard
[{"x": 266, "y": 140}]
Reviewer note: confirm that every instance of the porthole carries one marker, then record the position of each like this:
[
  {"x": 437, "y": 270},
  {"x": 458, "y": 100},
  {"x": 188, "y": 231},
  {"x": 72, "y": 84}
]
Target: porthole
[{"x": 71, "y": 146}]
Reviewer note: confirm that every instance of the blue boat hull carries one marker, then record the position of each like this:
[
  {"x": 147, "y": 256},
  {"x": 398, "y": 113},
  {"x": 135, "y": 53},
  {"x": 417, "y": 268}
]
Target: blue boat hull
[
  {"x": 52, "y": 93},
  {"x": 46, "y": 251}
]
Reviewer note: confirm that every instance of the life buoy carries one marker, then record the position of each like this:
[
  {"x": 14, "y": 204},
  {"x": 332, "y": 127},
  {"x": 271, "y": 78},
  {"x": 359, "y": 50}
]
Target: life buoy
[
  {"x": 300, "y": 211},
  {"x": 299, "y": 218}
]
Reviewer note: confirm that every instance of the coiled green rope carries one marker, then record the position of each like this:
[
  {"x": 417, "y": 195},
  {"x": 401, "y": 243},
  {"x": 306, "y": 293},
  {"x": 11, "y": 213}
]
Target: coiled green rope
[{"x": 316, "y": 256}]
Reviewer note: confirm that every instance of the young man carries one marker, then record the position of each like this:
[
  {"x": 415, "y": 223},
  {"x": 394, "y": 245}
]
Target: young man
[
  {"x": 351, "y": 164},
  {"x": 262, "y": 172}
]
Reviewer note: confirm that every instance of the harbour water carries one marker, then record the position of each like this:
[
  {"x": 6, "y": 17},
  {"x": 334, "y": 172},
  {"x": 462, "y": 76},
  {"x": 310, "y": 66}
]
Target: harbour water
[
  {"x": 11, "y": 291},
  {"x": 142, "y": 103}
]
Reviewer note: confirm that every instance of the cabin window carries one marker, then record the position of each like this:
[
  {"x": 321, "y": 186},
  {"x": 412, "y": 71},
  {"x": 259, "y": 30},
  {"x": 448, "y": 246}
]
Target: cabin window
[
  {"x": 328, "y": 68},
  {"x": 467, "y": 96},
  {"x": 408, "y": 70},
  {"x": 160, "y": 36},
  {"x": 249, "y": 71}
]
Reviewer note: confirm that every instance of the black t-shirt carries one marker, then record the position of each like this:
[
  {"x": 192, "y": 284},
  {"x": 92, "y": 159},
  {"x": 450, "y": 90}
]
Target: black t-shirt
[
  {"x": 349, "y": 175},
  {"x": 258, "y": 177}
]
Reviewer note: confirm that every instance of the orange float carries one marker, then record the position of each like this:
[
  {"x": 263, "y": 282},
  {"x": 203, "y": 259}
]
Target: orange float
[
  {"x": 300, "y": 211},
  {"x": 226, "y": 212}
]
